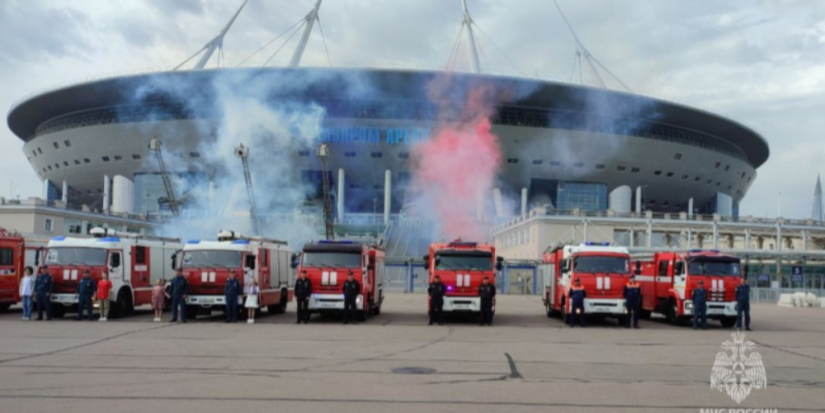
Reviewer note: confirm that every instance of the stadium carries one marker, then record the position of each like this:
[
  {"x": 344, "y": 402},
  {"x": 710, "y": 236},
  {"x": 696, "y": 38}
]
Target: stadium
[{"x": 565, "y": 146}]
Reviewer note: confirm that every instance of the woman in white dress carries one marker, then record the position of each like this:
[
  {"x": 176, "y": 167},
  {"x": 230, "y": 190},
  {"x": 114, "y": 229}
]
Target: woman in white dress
[{"x": 252, "y": 295}]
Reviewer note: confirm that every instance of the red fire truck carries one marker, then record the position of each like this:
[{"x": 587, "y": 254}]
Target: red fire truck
[
  {"x": 328, "y": 263},
  {"x": 462, "y": 266},
  {"x": 206, "y": 266},
  {"x": 602, "y": 269},
  {"x": 16, "y": 252},
  {"x": 134, "y": 262},
  {"x": 669, "y": 278}
]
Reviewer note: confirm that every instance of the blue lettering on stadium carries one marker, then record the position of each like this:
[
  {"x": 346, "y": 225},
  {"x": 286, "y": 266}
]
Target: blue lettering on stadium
[{"x": 393, "y": 136}]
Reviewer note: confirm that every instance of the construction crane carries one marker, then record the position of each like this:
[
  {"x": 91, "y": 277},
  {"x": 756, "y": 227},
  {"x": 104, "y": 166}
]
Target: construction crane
[
  {"x": 323, "y": 154},
  {"x": 174, "y": 204},
  {"x": 243, "y": 153}
]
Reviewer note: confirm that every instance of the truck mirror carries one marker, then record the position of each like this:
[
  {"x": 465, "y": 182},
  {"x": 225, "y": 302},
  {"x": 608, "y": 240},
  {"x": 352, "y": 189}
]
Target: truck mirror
[
  {"x": 250, "y": 262},
  {"x": 37, "y": 256},
  {"x": 565, "y": 265},
  {"x": 114, "y": 260},
  {"x": 293, "y": 263},
  {"x": 437, "y": 261},
  {"x": 175, "y": 261},
  {"x": 499, "y": 265},
  {"x": 371, "y": 262},
  {"x": 638, "y": 267}
]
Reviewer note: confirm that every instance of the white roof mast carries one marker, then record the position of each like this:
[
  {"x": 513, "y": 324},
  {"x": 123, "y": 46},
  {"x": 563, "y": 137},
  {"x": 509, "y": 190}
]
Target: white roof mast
[
  {"x": 468, "y": 22},
  {"x": 214, "y": 44},
  {"x": 310, "y": 19}
]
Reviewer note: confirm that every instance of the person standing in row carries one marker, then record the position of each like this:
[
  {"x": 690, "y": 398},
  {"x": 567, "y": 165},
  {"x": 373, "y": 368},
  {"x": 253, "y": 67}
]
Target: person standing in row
[
  {"x": 303, "y": 290},
  {"x": 43, "y": 292},
  {"x": 633, "y": 301},
  {"x": 158, "y": 299},
  {"x": 104, "y": 289},
  {"x": 743, "y": 304},
  {"x": 252, "y": 293},
  {"x": 26, "y": 291},
  {"x": 351, "y": 290},
  {"x": 576, "y": 298},
  {"x": 436, "y": 292},
  {"x": 487, "y": 292},
  {"x": 180, "y": 289},
  {"x": 231, "y": 292},
  {"x": 85, "y": 290},
  {"x": 700, "y": 306}
]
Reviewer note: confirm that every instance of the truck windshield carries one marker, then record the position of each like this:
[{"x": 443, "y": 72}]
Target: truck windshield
[
  {"x": 713, "y": 267},
  {"x": 332, "y": 260},
  {"x": 212, "y": 259},
  {"x": 477, "y": 262},
  {"x": 595, "y": 264},
  {"x": 76, "y": 256}
]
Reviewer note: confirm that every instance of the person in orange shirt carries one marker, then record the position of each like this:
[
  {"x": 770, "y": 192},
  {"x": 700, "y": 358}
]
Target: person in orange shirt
[{"x": 104, "y": 288}]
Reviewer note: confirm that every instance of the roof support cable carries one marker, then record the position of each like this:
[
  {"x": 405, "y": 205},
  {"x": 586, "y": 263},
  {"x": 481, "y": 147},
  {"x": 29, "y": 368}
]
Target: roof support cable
[
  {"x": 298, "y": 23},
  {"x": 297, "y": 30}
]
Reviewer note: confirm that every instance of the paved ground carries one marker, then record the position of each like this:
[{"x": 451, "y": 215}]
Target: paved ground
[{"x": 525, "y": 363}]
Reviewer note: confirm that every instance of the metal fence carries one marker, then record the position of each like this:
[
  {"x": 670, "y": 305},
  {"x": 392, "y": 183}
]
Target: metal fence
[{"x": 771, "y": 295}]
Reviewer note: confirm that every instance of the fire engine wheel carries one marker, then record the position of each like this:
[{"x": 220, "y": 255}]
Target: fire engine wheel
[
  {"x": 58, "y": 311},
  {"x": 123, "y": 305},
  {"x": 192, "y": 312},
  {"x": 564, "y": 316},
  {"x": 281, "y": 307},
  {"x": 4, "y": 307},
  {"x": 376, "y": 310},
  {"x": 728, "y": 322},
  {"x": 645, "y": 315},
  {"x": 673, "y": 313}
]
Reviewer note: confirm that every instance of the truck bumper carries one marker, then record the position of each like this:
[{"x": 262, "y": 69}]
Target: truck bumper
[
  {"x": 332, "y": 302},
  {"x": 462, "y": 304},
  {"x": 207, "y": 301},
  {"x": 715, "y": 308},
  {"x": 607, "y": 306}
]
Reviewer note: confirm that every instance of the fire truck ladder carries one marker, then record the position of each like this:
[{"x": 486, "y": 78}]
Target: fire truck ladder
[
  {"x": 323, "y": 154},
  {"x": 174, "y": 205},
  {"x": 243, "y": 153}
]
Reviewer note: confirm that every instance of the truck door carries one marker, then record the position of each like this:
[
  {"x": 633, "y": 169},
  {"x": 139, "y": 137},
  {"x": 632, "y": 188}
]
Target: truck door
[
  {"x": 116, "y": 271},
  {"x": 140, "y": 267},
  {"x": 10, "y": 269}
]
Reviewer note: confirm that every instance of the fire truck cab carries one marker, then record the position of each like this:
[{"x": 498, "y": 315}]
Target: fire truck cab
[
  {"x": 134, "y": 262},
  {"x": 462, "y": 267},
  {"x": 603, "y": 270},
  {"x": 206, "y": 266},
  {"x": 328, "y": 263},
  {"x": 669, "y": 278}
]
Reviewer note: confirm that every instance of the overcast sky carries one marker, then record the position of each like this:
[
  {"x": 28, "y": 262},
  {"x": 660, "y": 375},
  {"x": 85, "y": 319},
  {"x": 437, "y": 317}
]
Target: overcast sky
[{"x": 759, "y": 62}]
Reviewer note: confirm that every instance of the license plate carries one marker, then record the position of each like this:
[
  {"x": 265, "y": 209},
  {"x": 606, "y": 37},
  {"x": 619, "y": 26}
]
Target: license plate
[
  {"x": 327, "y": 305},
  {"x": 206, "y": 301},
  {"x": 461, "y": 307}
]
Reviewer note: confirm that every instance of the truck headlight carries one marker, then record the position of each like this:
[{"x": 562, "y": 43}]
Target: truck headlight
[
  {"x": 689, "y": 305},
  {"x": 358, "y": 300}
]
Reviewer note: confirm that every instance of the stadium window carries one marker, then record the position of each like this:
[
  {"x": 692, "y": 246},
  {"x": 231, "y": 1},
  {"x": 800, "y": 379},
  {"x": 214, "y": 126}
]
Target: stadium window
[
  {"x": 377, "y": 155},
  {"x": 727, "y": 168},
  {"x": 730, "y": 187},
  {"x": 65, "y": 163},
  {"x": 666, "y": 203},
  {"x": 87, "y": 160},
  {"x": 67, "y": 143},
  {"x": 669, "y": 174},
  {"x": 537, "y": 161},
  {"x": 303, "y": 153},
  {"x": 718, "y": 164},
  {"x": 652, "y": 202},
  {"x": 697, "y": 179},
  {"x": 684, "y": 176},
  {"x": 512, "y": 160},
  {"x": 634, "y": 170},
  {"x": 99, "y": 191},
  {"x": 349, "y": 154},
  {"x": 579, "y": 164},
  {"x": 194, "y": 154},
  {"x": 40, "y": 151},
  {"x": 44, "y": 170},
  {"x": 118, "y": 158},
  {"x": 749, "y": 178},
  {"x": 677, "y": 156},
  {"x": 135, "y": 156},
  {"x": 56, "y": 145},
  {"x": 105, "y": 158},
  {"x": 57, "y": 166},
  {"x": 709, "y": 181},
  {"x": 600, "y": 166},
  {"x": 555, "y": 163},
  {"x": 404, "y": 155},
  {"x": 743, "y": 175},
  {"x": 657, "y": 173},
  {"x": 718, "y": 183},
  {"x": 77, "y": 162},
  {"x": 620, "y": 168},
  {"x": 34, "y": 153}
]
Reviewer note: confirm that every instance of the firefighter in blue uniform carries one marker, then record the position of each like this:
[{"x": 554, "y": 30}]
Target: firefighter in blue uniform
[
  {"x": 85, "y": 289},
  {"x": 436, "y": 292},
  {"x": 180, "y": 289},
  {"x": 632, "y": 294},
  {"x": 303, "y": 290},
  {"x": 576, "y": 297},
  {"x": 700, "y": 306},
  {"x": 743, "y": 304},
  {"x": 43, "y": 291},
  {"x": 487, "y": 292},
  {"x": 351, "y": 290},
  {"x": 231, "y": 291}
]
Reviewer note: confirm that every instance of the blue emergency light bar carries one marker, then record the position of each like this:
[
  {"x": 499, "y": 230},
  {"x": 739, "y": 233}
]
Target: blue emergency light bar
[
  {"x": 109, "y": 239},
  {"x": 327, "y": 241},
  {"x": 592, "y": 243},
  {"x": 60, "y": 238},
  {"x": 193, "y": 241},
  {"x": 701, "y": 250},
  {"x": 241, "y": 241}
]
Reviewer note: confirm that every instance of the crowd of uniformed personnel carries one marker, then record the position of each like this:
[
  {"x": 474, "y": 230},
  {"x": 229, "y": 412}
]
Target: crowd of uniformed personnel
[{"x": 88, "y": 290}]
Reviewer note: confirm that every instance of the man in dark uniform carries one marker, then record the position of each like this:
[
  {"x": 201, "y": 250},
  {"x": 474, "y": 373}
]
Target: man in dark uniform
[
  {"x": 43, "y": 291},
  {"x": 180, "y": 289},
  {"x": 700, "y": 306},
  {"x": 436, "y": 292},
  {"x": 576, "y": 297},
  {"x": 351, "y": 290},
  {"x": 487, "y": 292},
  {"x": 85, "y": 289},
  {"x": 303, "y": 290},
  {"x": 231, "y": 291},
  {"x": 743, "y": 304},
  {"x": 633, "y": 301}
]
